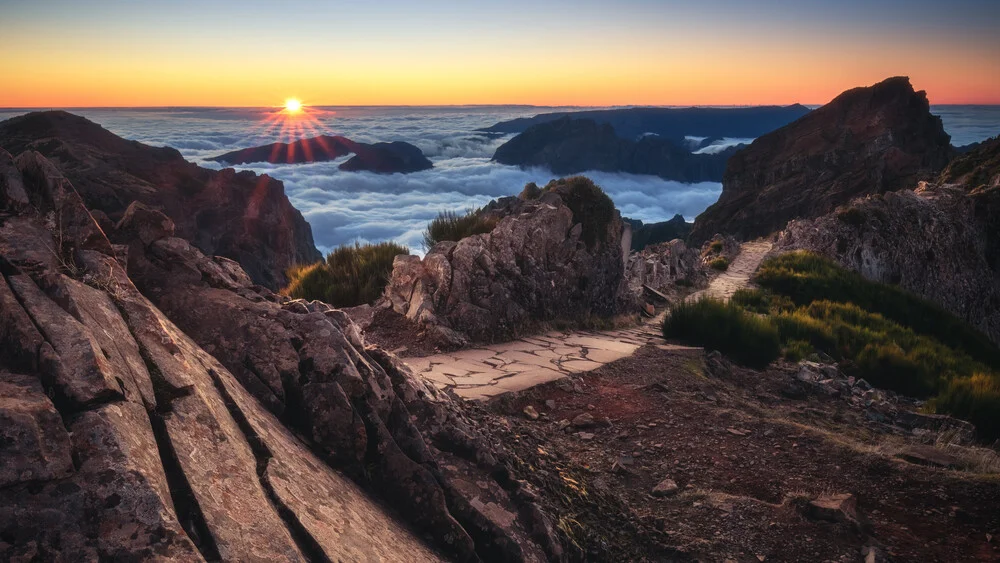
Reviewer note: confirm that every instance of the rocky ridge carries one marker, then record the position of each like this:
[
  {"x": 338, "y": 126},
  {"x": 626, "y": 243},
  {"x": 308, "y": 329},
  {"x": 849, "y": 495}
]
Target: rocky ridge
[
  {"x": 382, "y": 158},
  {"x": 867, "y": 140},
  {"x": 158, "y": 404},
  {"x": 939, "y": 241},
  {"x": 239, "y": 215}
]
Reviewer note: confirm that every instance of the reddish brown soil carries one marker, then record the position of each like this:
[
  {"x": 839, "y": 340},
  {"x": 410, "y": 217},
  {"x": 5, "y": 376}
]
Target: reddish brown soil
[
  {"x": 746, "y": 459},
  {"x": 394, "y": 332}
]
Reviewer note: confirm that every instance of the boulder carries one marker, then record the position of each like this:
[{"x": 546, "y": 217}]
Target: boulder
[
  {"x": 866, "y": 141},
  {"x": 557, "y": 257},
  {"x": 661, "y": 265}
]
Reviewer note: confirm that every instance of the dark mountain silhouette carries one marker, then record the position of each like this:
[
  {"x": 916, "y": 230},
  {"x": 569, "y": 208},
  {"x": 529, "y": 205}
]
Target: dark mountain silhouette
[
  {"x": 673, "y": 123},
  {"x": 383, "y": 158},
  {"x": 568, "y": 146}
]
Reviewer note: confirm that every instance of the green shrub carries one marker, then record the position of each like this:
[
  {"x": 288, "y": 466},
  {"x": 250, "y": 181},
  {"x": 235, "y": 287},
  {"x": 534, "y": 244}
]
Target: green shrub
[
  {"x": 715, "y": 246},
  {"x": 531, "y": 191},
  {"x": 721, "y": 264},
  {"x": 805, "y": 277},
  {"x": 761, "y": 301},
  {"x": 449, "y": 225},
  {"x": 890, "y": 367},
  {"x": 350, "y": 275},
  {"x": 976, "y": 399},
  {"x": 746, "y": 338},
  {"x": 591, "y": 207},
  {"x": 796, "y": 350},
  {"x": 800, "y": 326}
]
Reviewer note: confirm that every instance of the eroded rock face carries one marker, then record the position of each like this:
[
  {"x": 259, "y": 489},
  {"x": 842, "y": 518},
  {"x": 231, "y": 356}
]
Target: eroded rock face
[
  {"x": 662, "y": 265},
  {"x": 242, "y": 439},
  {"x": 866, "y": 141},
  {"x": 539, "y": 263},
  {"x": 241, "y": 216},
  {"x": 934, "y": 241}
]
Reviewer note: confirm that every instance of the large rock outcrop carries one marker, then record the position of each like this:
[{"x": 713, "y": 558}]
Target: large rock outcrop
[
  {"x": 560, "y": 256},
  {"x": 239, "y": 215},
  {"x": 568, "y": 146},
  {"x": 940, "y": 241},
  {"x": 223, "y": 422},
  {"x": 383, "y": 158},
  {"x": 867, "y": 140}
]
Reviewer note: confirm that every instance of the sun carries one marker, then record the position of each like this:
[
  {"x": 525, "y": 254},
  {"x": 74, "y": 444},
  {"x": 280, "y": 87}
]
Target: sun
[{"x": 293, "y": 106}]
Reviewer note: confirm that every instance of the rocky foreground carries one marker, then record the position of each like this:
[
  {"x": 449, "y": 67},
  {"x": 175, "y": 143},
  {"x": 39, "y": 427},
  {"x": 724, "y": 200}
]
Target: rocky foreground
[{"x": 157, "y": 404}]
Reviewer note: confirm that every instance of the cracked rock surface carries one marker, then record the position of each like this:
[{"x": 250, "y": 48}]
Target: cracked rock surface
[{"x": 155, "y": 404}]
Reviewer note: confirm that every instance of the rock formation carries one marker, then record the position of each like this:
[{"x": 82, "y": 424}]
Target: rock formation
[
  {"x": 646, "y": 234},
  {"x": 567, "y": 146},
  {"x": 383, "y": 158},
  {"x": 559, "y": 256},
  {"x": 940, "y": 241},
  {"x": 241, "y": 216},
  {"x": 673, "y": 124},
  {"x": 662, "y": 265},
  {"x": 155, "y": 404},
  {"x": 867, "y": 140}
]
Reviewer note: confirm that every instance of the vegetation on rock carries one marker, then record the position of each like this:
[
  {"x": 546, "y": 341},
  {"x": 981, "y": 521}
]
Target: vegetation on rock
[
  {"x": 721, "y": 264},
  {"x": 450, "y": 226},
  {"x": 350, "y": 275},
  {"x": 591, "y": 207}
]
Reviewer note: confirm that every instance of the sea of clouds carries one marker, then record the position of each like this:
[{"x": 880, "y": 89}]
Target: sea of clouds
[{"x": 344, "y": 207}]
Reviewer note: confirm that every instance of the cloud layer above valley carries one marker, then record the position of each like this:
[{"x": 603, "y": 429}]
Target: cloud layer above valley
[{"x": 343, "y": 207}]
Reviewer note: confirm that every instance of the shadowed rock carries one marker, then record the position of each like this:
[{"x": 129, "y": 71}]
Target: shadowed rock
[{"x": 867, "y": 140}]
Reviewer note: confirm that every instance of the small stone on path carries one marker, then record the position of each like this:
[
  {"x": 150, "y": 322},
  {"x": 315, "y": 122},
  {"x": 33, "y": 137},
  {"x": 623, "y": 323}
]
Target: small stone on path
[
  {"x": 530, "y": 413},
  {"x": 665, "y": 488}
]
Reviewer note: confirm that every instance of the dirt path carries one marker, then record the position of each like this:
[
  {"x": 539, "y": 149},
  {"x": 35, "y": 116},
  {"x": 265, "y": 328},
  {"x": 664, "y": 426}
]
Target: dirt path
[
  {"x": 490, "y": 370},
  {"x": 739, "y": 272}
]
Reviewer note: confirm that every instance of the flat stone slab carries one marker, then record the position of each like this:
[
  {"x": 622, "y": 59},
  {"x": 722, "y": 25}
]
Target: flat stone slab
[{"x": 487, "y": 371}]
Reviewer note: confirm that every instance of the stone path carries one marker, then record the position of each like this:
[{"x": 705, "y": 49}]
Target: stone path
[
  {"x": 738, "y": 274},
  {"x": 490, "y": 370}
]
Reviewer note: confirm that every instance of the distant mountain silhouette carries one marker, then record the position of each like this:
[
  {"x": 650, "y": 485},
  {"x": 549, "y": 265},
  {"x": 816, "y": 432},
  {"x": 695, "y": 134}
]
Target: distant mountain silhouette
[
  {"x": 673, "y": 123},
  {"x": 383, "y": 158},
  {"x": 568, "y": 146}
]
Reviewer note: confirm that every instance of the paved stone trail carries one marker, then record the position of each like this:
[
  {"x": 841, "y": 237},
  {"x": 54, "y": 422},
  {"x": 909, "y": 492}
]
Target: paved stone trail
[
  {"x": 738, "y": 274},
  {"x": 489, "y": 370}
]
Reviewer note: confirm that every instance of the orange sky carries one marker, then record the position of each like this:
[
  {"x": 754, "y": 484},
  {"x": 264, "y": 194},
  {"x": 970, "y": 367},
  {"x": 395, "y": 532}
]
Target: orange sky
[{"x": 144, "y": 58}]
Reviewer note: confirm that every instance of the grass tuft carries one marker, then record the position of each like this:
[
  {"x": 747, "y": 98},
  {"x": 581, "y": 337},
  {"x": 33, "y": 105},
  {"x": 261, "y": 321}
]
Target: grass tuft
[
  {"x": 350, "y": 275},
  {"x": 748, "y": 339},
  {"x": 450, "y": 226}
]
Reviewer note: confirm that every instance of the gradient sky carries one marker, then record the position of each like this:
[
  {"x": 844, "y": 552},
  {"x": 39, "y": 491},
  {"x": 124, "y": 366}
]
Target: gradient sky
[{"x": 78, "y": 53}]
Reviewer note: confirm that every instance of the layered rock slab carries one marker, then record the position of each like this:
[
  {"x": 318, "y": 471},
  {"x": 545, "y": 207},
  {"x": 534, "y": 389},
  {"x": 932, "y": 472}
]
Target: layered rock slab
[{"x": 146, "y": 449}]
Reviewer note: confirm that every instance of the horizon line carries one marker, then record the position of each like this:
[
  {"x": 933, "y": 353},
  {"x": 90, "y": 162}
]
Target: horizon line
[{"x": 320, "y": 106}]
